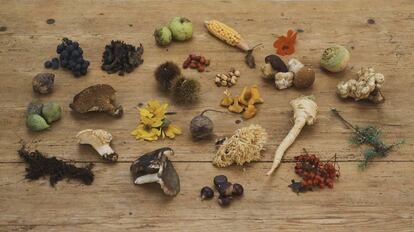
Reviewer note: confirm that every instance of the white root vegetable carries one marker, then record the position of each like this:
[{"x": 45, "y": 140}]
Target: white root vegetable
[{"x": 305, "y": 110}]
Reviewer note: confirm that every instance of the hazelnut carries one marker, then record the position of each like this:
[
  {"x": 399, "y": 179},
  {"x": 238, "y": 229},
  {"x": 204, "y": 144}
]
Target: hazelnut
[{"x": 237, "y": 73}]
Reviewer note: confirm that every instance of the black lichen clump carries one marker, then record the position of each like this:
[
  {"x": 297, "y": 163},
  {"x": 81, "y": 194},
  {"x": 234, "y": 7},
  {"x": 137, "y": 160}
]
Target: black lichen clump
[
  {"x": 121, "y": 57},
  {"x": 166, "y": 73},
  {"x": 186, "y": 91},
  {"x": 70, "y": 58},
  {"x": 39, "y": 166}
]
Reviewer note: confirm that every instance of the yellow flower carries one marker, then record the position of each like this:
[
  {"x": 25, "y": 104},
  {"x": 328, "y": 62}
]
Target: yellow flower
[
  {"x": 146, "y": 133},
  {"x": 157, "y": 109},
  {"x": 153, "y": 123},
  {"x": 148, "y": 119},
  {"x": 170, "y": 131}
]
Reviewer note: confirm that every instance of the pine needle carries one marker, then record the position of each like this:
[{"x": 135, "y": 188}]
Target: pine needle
[{"x": 369, "y": 135}]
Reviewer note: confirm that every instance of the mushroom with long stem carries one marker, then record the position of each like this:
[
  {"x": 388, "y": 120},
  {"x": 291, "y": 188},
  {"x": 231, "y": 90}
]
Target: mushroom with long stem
[{"x": 305, "y": 110}]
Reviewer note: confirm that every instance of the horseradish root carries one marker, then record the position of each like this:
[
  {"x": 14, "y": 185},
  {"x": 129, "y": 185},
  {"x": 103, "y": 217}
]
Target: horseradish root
[{"x": 305, "y": 110}]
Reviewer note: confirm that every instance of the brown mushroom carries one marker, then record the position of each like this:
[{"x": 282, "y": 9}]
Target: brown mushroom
[
  {"x": 99, "y": 98},
  {"x": 304, "y": 78},
  {"x": 155, "y": 167}
]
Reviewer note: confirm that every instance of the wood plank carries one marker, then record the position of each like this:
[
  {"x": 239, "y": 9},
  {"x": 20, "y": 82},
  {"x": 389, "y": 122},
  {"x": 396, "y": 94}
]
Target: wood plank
[{"x": 380, "y": 197}]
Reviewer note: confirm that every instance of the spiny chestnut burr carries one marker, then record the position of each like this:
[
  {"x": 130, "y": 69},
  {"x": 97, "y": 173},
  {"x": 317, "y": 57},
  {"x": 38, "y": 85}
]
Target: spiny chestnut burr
[
  {"x": 224, "y": 201},
  {"x": 207, "y": 193},
  {"x": 237, "y": 190},
  {"x": 220, "y": 180}
]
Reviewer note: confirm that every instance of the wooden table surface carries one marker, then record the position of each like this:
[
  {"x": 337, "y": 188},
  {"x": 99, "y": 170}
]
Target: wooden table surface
[{"x": 380, "y": 198}]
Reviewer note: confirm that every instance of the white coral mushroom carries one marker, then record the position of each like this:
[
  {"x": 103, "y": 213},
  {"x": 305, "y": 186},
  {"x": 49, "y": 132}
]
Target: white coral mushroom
[
  {"x": 99, "y": 140},
  {"x": 368, "y": 86}
]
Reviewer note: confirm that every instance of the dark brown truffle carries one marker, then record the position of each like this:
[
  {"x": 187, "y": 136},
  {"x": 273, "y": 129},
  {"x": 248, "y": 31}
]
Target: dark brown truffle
[{"x": 43, "y": 83}]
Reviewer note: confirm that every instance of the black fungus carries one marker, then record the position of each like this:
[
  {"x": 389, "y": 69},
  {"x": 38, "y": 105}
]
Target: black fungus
[
  {"x": 120, "y": 57},
  {"x": 40, "y": 166}
]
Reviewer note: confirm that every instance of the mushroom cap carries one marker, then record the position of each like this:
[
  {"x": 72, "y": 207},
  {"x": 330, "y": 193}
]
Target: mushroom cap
[
  {"x": 304, "y": 78},
  {"x": 99, "y": 140},
  {"x": 100, "y": 97},
  {"x": 295, "y": 65},
  {"x": 98, "y": 135},
  {"x": 157, "y": 162},
  {"x": 276, "y": 63}
]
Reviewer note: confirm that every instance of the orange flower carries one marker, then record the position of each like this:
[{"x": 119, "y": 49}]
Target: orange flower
[{"x": 285, "y": 45}]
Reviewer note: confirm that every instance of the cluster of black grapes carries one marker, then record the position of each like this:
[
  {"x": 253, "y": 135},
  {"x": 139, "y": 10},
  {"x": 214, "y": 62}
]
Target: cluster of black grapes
[{"x": 70, "y": 57}]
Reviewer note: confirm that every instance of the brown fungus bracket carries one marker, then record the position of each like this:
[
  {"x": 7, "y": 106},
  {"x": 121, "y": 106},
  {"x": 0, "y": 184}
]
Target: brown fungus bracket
[
  {"x": 99, "y": 98},
  {"x": 155, "y": 167}
]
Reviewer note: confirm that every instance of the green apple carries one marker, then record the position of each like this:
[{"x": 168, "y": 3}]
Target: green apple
[
  {"x": 162, "y": 36},
  {"x": 181, "y": 28}
]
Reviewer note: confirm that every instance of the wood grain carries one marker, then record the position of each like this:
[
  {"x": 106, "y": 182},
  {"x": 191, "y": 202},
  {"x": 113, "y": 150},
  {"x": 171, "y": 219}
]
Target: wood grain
[{"x": 378, "y": 199}]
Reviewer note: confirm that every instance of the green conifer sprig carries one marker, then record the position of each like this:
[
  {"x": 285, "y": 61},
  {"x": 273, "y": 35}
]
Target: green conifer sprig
[{"x": 369, "y": 135}]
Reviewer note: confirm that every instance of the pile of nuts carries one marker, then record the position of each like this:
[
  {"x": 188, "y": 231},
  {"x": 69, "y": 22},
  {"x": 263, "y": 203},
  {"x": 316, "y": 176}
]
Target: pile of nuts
[
  {"x": 196, "y": 62},
  {"x": 227, "y": 191},
  {"x": 229, "y": 79}
]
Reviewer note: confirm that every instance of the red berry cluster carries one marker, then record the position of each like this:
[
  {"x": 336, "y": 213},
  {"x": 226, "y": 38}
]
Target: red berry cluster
[
  {"x": 196, "y": 62},
  {"x": 314, "y": 173}
]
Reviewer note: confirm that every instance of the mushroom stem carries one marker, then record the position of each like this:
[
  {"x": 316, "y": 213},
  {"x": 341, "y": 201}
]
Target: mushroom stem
[
  {"x": 104, "y": 150},
  {"x": 149, "y": 178},
  {"x": 285, "y": 144}
]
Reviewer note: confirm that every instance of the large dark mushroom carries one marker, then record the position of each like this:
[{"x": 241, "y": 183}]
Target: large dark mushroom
[
  {"x": 277, "y": 64},
  {"x": 155, "y": 167},
  {"x": 99, "y": 98}
]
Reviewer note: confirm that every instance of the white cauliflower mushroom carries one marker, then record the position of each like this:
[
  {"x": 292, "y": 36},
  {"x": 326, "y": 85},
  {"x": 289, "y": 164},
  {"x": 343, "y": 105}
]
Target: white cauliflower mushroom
[
  {"x": 284, "y": 80},
  {"x": 367, "y": 86}
]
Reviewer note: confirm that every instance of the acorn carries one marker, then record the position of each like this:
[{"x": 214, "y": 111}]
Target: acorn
[
  {"x": 220, "y": 180},
  {"x": 166, "y": 73},
  {"x": 185, "y": 91},
  {"x": 206, "y": 193},
  {"x": 224, "y": 201},
  {"x": 237, "y": 190}
]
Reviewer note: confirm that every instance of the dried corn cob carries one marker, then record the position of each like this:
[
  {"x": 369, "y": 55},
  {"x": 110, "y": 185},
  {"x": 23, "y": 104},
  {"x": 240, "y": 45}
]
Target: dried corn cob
[{"x": 226, "y": 33}]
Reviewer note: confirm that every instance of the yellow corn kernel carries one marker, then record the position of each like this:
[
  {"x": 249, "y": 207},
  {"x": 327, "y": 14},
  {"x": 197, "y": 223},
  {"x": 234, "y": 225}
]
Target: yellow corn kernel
[{"x": 223, "y": 32}]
